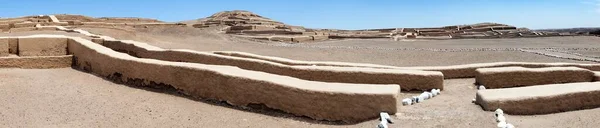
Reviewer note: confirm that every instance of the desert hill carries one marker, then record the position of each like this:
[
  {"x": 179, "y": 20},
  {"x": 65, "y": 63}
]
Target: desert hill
[
  {"x": 248, "y": 24},
  {"x": 251, "y": 25}
]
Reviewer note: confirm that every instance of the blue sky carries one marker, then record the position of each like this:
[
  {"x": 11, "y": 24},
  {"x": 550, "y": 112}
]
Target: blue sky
[{"x": 341, "y": 14}]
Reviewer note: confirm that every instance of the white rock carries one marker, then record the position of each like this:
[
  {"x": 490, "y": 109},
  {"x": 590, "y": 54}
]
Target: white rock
[
  {"x": 500, "y": 118},
  {"x": 421, "y": 98},
  {"x": 481, "y": 87},
  {"x": 473, "y": 101},
  {"x": 430, "y": 94},
  {"x": 435, "y": 92},
  {"x": 382, "y": 125},
  {"x": 385, "y": 119},
  {"x": 424, "y": 95},
  {"x": 508, "y": 125},
  {"x": 499, "y": 112},
  {"x": 415, "y": 99},
  {"x": 407, "y": 101},
  {"x": 501, "y": 125}
]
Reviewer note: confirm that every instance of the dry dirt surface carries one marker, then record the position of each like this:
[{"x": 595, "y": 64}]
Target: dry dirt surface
[{"x": 70, "y": 98}]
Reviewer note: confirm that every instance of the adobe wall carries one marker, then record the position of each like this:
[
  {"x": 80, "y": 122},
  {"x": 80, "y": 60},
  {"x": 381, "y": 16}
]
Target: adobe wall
[
  {"x": 504, "y": 77},
  {"x": 541, "y": 99},
  {"x": 408, "y": 79},
  {"x": 24, "y": 29},
  {"x": 318, "y": 100},
  {"x": 300, "y": 39},
  {"x": 4, "y": 47},
  {"x": 297, "y": 62},
  {"x": 37, "y": 62},
  {"x": 42, "y": 46},
  {"x": 453, "y": 71},
  {"x": 468, "y": 70},
  {"x": 22, "y": 25},
  {"x": 11, "y": 44},
  {"x": 320, "y": 37},
  {"x": 596, "y": 76}
]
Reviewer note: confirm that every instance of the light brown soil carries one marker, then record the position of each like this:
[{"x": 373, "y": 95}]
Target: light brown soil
[{"x": 69, "y": 98}]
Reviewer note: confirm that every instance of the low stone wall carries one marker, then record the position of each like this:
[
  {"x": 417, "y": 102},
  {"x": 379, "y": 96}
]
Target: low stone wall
[
  {"x": 409, "y": 79},
  {"x": 541, "y": 99},
  {"x": 301, "y": 39},
  {"x": 297, "y": 62},
  {"x": 453, "y": 71},
  {"x": 318, "y": 100},
  {"x": 64, "y": 61},
  {"x": 505, "y": 77},
  {"x": 468, "y": 70},
  {"x": 320, "y": 37}
]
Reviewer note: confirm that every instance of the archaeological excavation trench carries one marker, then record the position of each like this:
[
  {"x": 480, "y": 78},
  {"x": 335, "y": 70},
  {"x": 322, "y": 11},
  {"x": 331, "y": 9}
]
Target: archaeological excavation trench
[{"x": 333, "y": 91}]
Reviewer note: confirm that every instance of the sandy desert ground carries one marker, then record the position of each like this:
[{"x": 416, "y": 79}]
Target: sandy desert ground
[{"x": 70, "y": 98}]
